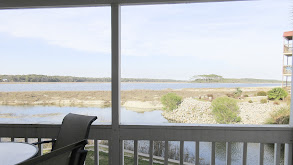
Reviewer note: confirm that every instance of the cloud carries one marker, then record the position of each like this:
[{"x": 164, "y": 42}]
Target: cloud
[
  {"x": 83, "y": 29},
  {"x": 168, "y": 30}
]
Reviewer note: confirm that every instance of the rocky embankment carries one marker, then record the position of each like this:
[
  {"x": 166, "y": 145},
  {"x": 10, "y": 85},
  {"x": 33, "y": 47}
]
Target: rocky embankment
[
  {"x": 191, "y": 111},
  {"x": 256, "y": 113},
  {"x": 196, "y": 111}
]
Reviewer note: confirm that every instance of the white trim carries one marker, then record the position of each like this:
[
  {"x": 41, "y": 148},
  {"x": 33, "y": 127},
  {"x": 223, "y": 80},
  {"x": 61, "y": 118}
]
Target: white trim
[
  {"x": 291, "y": 105},
  {"x": 221, "y": 133},
  {"x": 21, "y": 4},
  {"x": 288, "y": 154},
  {"x": 116, "y": 62}
]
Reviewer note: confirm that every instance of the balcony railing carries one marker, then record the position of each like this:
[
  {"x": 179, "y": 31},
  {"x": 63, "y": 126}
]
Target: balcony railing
[
  {"x": 288, "y": 49},
  {"x": 287, "y": 69},
  {"x": 261, "y": 134}
]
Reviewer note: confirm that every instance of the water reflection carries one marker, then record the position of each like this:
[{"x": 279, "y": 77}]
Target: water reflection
[{"x": 54, "y": 115}]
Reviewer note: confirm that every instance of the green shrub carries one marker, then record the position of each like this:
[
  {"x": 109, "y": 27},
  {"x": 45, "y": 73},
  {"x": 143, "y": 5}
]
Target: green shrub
[
  {"x": 263, "y": 101},
  {"x": 280, "y": 117},
  {"x": 225, "y": 110},
  {"x": 245, "y": 96},
  {"x": 171, "y": 101},
  {"x": 261, "y": 93},
  {"x": 277, "y": 94},
  {"x": 250, "y": 101},
  {"x": 238, "y": 119},
  {"x": 237, "y": 93}
]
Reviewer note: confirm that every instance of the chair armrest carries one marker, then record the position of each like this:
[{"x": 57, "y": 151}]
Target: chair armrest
[
  {"x": 47, "y": 157},
  {"x": 47, "y": 141}
]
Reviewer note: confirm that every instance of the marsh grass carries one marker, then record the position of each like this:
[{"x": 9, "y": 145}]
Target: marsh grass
[{"x": 94, "y": 98}]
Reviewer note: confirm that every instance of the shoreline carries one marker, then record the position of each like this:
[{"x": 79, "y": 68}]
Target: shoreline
[
  {"x": 195, "y": 111},
  {"x": 195, "y": 106}
]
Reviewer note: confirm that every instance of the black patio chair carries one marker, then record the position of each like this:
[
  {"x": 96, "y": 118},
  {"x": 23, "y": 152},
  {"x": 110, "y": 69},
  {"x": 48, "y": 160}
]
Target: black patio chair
[
  {"x": 62, "y": 156},
  {"x": 74, "y": 128}
]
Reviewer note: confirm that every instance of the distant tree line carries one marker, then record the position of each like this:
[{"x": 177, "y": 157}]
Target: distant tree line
[
  {"x": 213, "y": 78},
  {"x": 45, "y": 78}
]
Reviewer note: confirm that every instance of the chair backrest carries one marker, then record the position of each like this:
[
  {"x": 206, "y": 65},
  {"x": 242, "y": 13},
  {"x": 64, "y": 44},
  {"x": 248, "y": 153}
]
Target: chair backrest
[{"x": 74, "y": 128}]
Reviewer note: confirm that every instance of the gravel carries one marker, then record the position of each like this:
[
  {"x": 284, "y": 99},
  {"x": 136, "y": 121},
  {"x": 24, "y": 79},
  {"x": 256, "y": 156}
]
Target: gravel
[{"x": 195, "y": 111}]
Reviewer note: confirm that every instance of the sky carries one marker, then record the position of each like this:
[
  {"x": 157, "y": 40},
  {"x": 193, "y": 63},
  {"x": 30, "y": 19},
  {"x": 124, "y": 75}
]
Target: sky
[{"x": 231, "y": 39}]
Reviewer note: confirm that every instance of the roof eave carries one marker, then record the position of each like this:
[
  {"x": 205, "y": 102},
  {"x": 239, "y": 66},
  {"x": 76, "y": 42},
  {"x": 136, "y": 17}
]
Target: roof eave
[{"x": 23, "y": 4}]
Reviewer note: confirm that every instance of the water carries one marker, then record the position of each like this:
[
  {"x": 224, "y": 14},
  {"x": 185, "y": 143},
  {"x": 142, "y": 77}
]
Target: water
[
  {"x": 124, "y": 86},
  {"x": 54, "y": 115}
]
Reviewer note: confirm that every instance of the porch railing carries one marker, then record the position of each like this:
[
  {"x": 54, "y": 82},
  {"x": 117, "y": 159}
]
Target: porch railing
[
  {"x": 288, "y": 49},
  {"x": 262, "y": 134}
]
